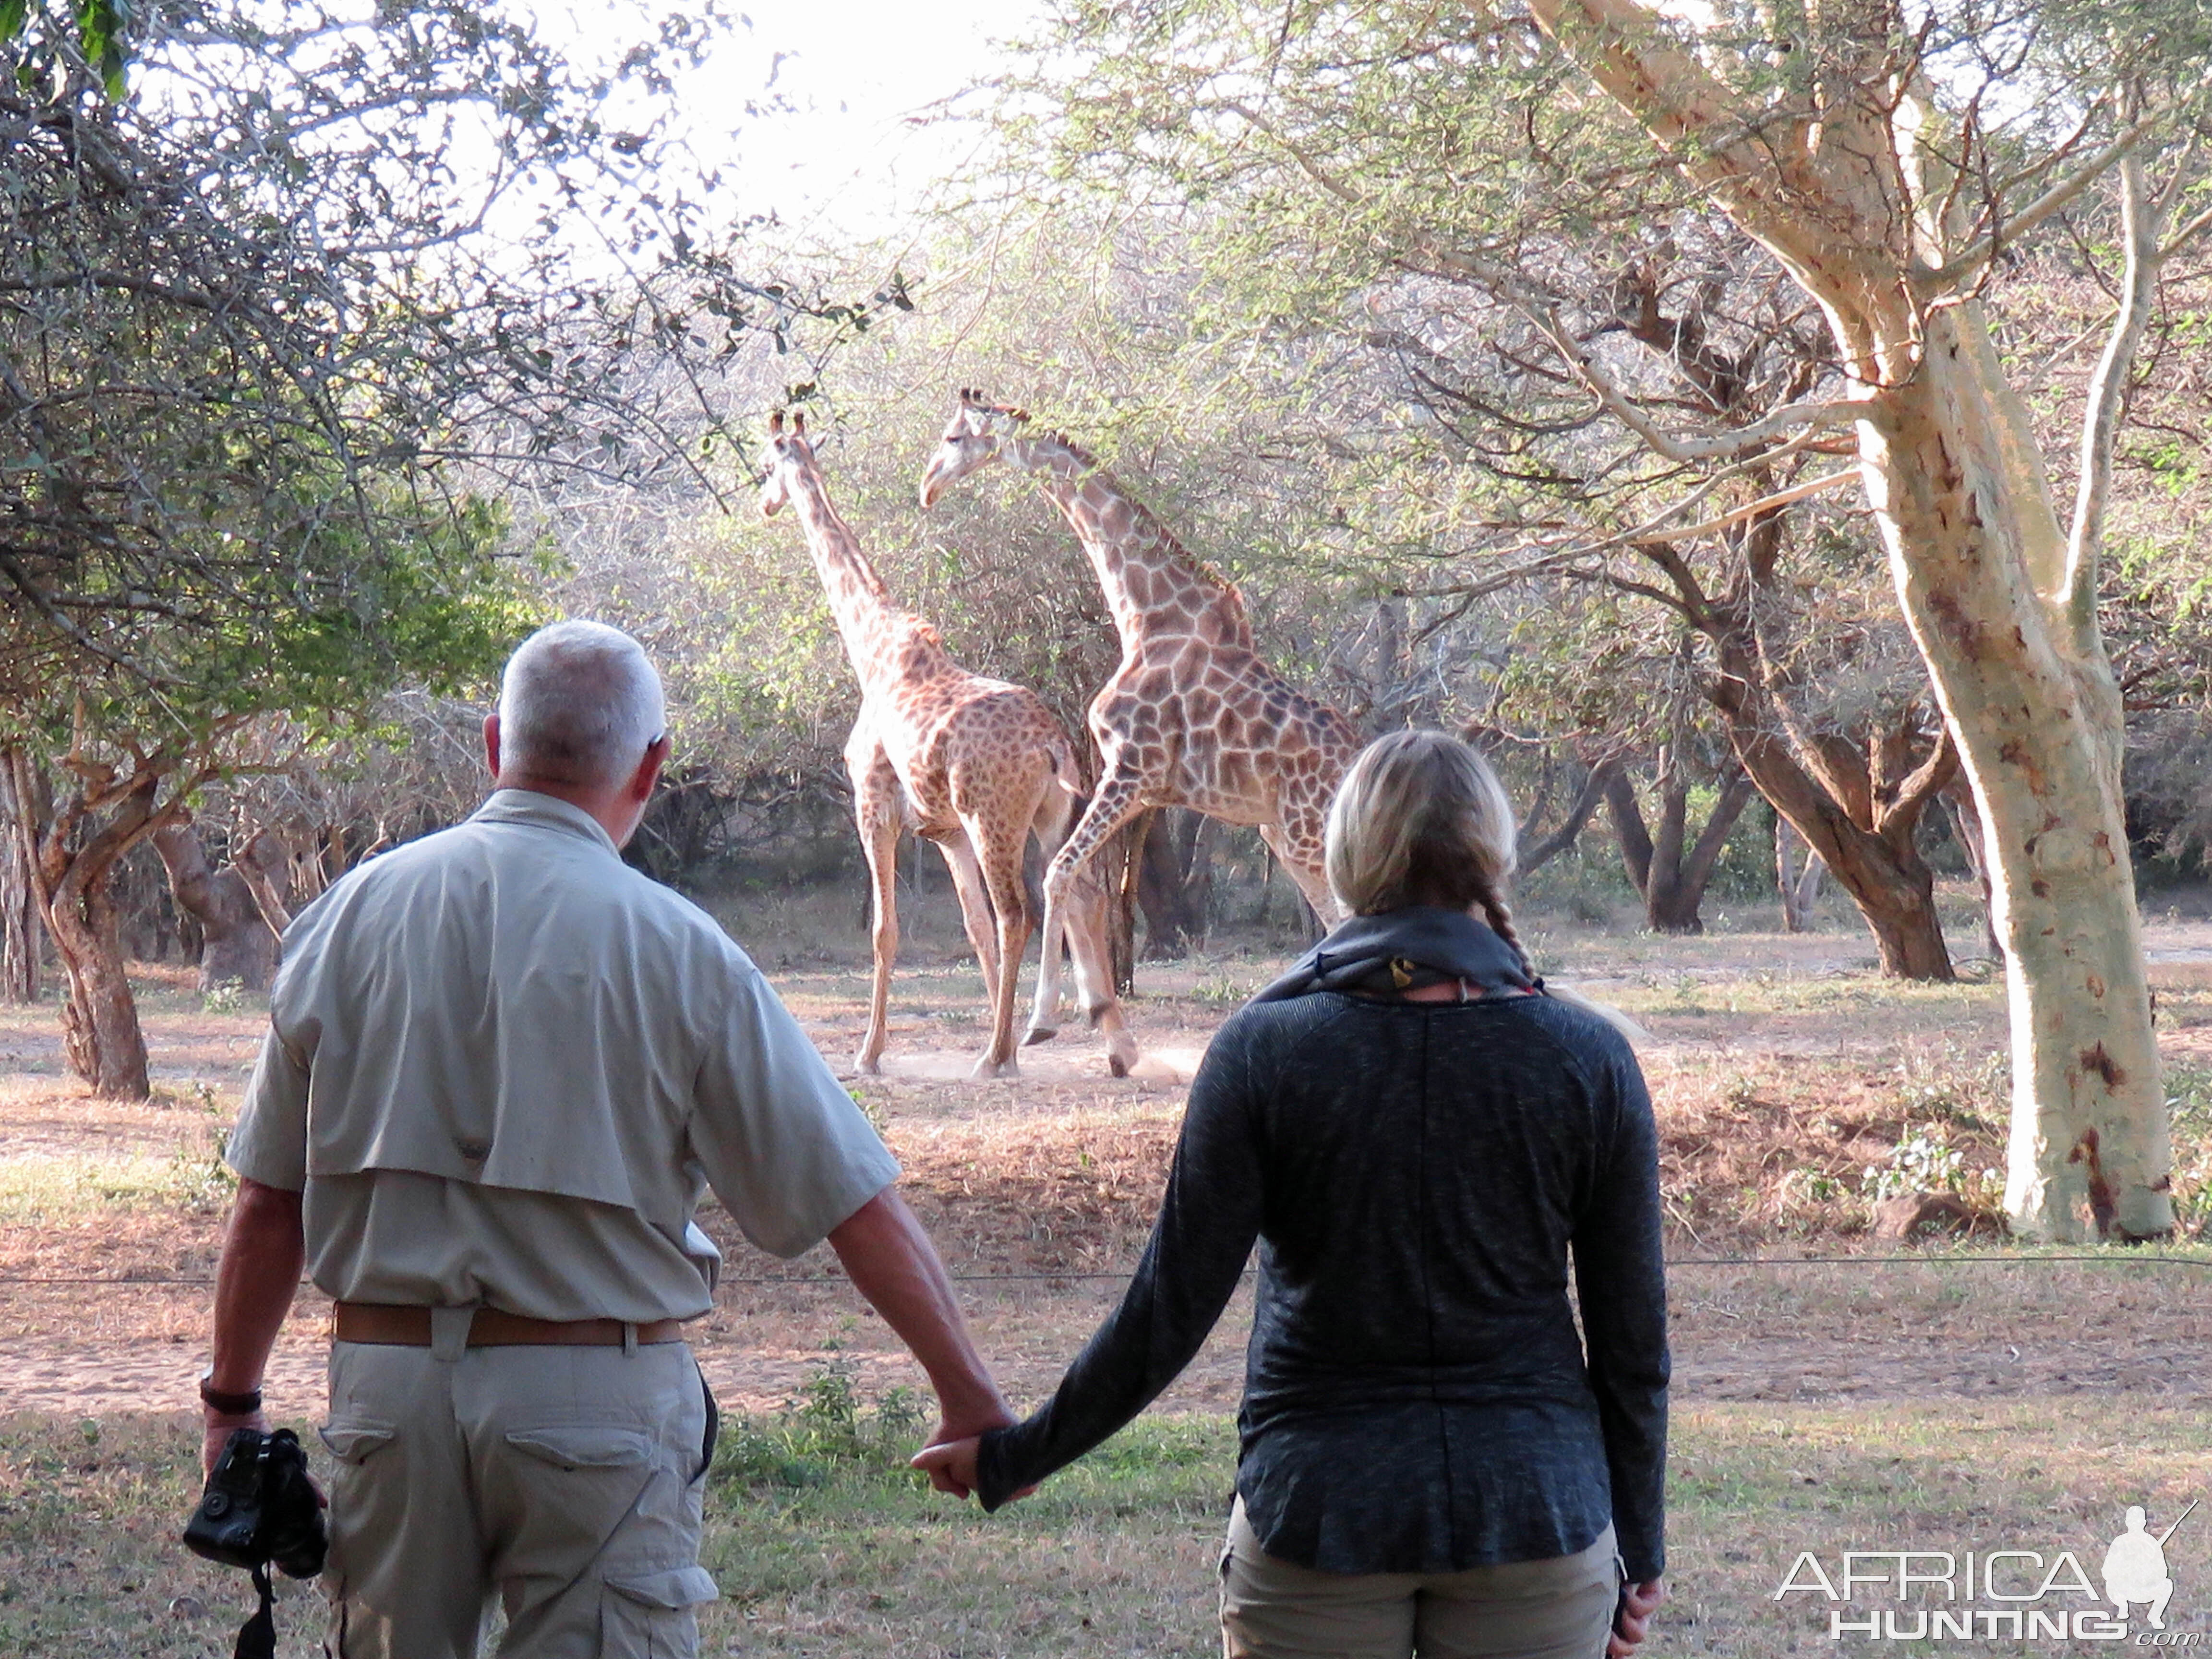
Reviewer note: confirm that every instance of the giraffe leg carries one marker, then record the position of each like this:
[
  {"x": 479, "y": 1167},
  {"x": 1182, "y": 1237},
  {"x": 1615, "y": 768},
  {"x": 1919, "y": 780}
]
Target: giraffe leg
[
  {"x": 1305, "y": 867},
  {"x": 974, "y": 904},
  {"x": 1055, "y": 816},
  {"x": 1119, "y": 798},
  {"x": 875, "y": 808},
  {"x": 1090, "y": 941},
  {"x": 998, "y": 846}
]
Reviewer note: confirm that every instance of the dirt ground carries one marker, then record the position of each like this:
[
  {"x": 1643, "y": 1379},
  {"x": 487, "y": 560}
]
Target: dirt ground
[{"x": 1774, "y": 1059}]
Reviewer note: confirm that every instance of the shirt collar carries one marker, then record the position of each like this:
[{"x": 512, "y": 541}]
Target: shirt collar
[{"x": 547, "y": 812}]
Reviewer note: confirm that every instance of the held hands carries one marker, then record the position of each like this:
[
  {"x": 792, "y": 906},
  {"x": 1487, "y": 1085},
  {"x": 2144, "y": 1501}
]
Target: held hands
[
  {"x": 949, "y": 1459},
  {"x": 1633, "y": 1622}
]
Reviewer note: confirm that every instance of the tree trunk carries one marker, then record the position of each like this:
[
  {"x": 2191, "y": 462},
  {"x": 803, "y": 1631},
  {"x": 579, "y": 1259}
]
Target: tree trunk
[
  {"x": 1959, "y": 491},
  {"x": 258, "y": 867},
  {"x": 1895, "y": 892},
  {"x": 101, "y": 1038},
  {"x": 1858, "y": 200},
  {"x": 1797, "y": 873},
  {"x": 21, "y": 938},
  {"x": 1877, "y": 864},
  {"x": 1173, "y": 883},
  {"x": 1119, "y": 869},
  {"x": 1967, "y": 826},
  {"x": 1536, "y": 850},
  {"x": 237, "y": 946},
  {"x": 1671, "y": 881}
]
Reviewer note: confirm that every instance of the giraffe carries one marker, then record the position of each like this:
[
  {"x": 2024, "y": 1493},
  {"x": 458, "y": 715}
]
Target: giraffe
[
  {"x": 1193, "y": 716},
  {"x": 974, "y": 765}
]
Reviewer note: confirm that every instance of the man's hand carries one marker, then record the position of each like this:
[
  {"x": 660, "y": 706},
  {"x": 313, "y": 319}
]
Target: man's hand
[
  {"x": 220, "y": 1425},
  {"x": 1633, "y": 1622}
]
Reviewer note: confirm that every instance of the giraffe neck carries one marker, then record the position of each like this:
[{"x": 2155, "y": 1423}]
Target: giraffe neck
[
  {"x": 866, "y": 619},
  {"x": 1153, "y": 584}
]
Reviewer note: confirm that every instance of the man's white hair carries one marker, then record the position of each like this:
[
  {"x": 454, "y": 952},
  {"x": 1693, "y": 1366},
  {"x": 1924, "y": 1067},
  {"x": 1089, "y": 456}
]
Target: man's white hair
[{"x": 580, "y": 705}]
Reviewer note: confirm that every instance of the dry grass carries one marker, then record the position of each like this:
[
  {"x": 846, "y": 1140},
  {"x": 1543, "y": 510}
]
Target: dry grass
[{"x": 825, "y": 1550}]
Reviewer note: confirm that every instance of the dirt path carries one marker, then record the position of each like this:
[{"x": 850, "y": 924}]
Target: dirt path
[{"x": 1767, "y": 1048}]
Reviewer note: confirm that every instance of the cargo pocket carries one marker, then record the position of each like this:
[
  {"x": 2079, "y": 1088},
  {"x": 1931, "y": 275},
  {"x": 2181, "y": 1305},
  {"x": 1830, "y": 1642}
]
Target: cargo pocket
[
  {"x": 577, "y": 1484},
  {"x": 651, "y": 1615},
  {"x": 583, "y": 1445},
  {"x": 355, "y": 1440}
]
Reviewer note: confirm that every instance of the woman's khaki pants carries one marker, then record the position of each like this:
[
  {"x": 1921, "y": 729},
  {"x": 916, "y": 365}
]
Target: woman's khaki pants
[{"x": 1555, "y": 1609}]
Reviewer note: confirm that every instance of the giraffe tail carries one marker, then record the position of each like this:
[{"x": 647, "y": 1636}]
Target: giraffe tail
[{"x": 1067, "y": 773}]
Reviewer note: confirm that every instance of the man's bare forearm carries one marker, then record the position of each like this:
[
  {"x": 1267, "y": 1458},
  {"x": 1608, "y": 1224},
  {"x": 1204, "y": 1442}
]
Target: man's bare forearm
[
  {"x": 892, "y": 1263},
  {"x": 262, "y": 1250}
]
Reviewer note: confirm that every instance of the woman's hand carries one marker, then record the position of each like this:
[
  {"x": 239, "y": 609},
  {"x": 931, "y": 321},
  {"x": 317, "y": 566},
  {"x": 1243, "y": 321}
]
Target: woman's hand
[
  {"x": 1633, "y": 1622},
  {"x": 950, "y": 1464}
]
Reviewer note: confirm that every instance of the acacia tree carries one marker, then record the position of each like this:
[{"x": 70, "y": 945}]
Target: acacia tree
[
  {"x": 1861, "y": 167},
  {"x": 268, "y": 344},
  {"x": 1856, "y": 148}
]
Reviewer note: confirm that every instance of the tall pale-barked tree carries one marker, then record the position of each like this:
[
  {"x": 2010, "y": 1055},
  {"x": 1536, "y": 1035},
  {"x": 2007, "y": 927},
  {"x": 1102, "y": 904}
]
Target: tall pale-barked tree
[{"x": 1866, "y": 147}]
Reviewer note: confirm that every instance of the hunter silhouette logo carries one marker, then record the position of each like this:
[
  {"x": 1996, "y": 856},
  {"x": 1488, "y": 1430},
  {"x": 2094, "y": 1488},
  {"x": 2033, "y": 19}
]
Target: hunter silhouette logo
[{"x": 2134, "y": 1566}]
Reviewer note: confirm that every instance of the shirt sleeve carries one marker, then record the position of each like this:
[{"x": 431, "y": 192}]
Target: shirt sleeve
[
  {"x": 782, "y": 1144},
  {"x": 270, "y": 1144},
  {"x": 1620, "y": 1281},
  {"x": 1207, "y": 1223}
]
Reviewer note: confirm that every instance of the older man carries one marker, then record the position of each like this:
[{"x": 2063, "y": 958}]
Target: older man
[{"x": 502, "y": 1070}]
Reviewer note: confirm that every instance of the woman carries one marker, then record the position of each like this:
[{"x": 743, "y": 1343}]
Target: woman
[{"x": 1418, "y": 1135}]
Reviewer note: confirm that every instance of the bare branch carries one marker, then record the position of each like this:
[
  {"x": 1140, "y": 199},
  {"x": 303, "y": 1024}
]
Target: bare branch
[
  {"x": 1722, "y": 446},
  {"x": 2108, "y": 391},
  {"x": 1923, "y": 785},
  {"x": 2059, "y": 196}
]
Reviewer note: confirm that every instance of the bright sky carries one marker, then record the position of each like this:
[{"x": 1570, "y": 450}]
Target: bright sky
[{"x": 854, "y": 70}]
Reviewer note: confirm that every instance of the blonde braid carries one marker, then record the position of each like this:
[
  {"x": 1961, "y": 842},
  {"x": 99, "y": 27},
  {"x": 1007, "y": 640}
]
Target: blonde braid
[{"x": 1501, "y": 923}]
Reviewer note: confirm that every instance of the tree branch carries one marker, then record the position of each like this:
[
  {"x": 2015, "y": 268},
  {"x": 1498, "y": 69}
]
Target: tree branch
[
  {"x": 2108, "y": 391},
  {"x": 2057, "y": 198},
  {"x": 1723, "y": 446},
  {"x": 1926, "y": 781}
]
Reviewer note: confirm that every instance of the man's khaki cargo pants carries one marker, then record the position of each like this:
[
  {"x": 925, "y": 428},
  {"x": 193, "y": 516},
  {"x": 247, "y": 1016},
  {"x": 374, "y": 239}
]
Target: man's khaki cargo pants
[{"x": 566, "y": 1480}]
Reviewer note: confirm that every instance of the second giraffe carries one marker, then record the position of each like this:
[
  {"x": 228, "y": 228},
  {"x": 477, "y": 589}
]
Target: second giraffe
[{"x": 1193, "y": 716}]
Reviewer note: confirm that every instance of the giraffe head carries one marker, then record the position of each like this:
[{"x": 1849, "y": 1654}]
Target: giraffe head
[
  {"x": 789, "y": 450},
  {"x": 974, "y": 437}
]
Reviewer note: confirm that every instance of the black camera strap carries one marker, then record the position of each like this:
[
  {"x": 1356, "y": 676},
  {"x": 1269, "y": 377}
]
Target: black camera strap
[{"x": 257, "y": 1638}]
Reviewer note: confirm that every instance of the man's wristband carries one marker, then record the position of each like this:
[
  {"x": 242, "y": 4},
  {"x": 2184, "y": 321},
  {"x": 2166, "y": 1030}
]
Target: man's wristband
[{"x": 229, "y": 1405}]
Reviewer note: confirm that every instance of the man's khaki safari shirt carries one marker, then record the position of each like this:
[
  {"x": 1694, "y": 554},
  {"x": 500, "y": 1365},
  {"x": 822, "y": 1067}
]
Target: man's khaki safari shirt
[{"x": 505, "y": 1067}]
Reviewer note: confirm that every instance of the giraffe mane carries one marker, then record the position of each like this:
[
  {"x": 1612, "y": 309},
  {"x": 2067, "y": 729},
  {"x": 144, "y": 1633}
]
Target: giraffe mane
[{"x": 1176, "y": 546}]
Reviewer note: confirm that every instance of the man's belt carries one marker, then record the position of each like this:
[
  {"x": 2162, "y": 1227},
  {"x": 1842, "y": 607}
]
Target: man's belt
[{"x": 386, "y": 1326}]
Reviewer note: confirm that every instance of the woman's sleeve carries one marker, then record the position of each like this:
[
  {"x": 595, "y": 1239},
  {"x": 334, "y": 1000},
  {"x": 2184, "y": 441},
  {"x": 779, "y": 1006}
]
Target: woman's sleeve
[
  {"x": 1620, "y": 1280},
  {"x": 1207, "y": 1222}
]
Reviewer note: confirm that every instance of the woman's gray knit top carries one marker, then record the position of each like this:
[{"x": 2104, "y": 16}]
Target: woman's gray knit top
[{"x": 1417, "y": 1176}]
